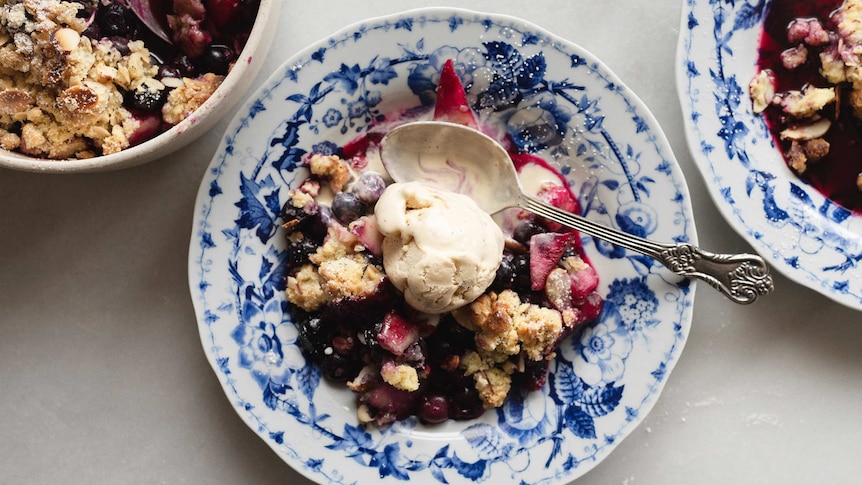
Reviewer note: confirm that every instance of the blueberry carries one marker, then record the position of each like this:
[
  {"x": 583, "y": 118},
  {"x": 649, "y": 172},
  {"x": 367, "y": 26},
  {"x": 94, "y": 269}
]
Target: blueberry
[
  {"x": 297, "y": 217},
  {"x": 521, "y": 269},
  {"x": 92, "y": 31},
  {"x": 185, "y": 66},
  {"x": 449, "y": 339},
  {"x": 505, "y": 277},
  {"x": 315, "y": 335},
  {"x": 216, "y": 59},
  {"x": 369, "y": 336},
  {"x": 433, "y": 408},
  {"x": 525, "y": 230},
  {"x": 369, "y": 187},
  {"x": 535, "y": 375},
  {"x": 87, "y": 9},
  {"x": 464, "y": 401},
  {"x": 338, "y": 367},
  {"x": 155, "y": 59},
  {"x": 115, "y": 19},
  {"x": 315, "y": 226},
  {"x": 569, "y": 251},
  {"x": 149, "y": 100},
  {"x": 298, "y": 252},
  {"x": 346, "y": 207},
  {"x": 121, "y": 44},
  {"x": 166, "y": 70}
]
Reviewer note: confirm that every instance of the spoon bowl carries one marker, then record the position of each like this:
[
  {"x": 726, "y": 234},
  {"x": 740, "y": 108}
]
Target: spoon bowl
[
  {"x": 455, "y": 158},
  {"x": 460, "y": 159}
]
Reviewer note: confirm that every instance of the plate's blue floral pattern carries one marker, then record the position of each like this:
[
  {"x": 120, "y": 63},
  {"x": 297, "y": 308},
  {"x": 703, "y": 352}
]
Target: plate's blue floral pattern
[
  {"x": 804, "y": 235},
  {"x": 551, "y": 98}
]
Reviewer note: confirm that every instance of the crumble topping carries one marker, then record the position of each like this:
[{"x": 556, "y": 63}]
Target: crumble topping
[
  {"x": 335, "y": 272},
  {"x": 349, "y": 277},
  {"x": 807, "y": 102},
  {"x": 59, "y": 90},
  {"x": 506, "y": 325},
  {"x": 183, "y": 100},
  {"x": 339, "y": 268},
  {"x": 67, "y": 92},
  {"x": 305, "y": 289},
  {"x": 492, "y": 378}
]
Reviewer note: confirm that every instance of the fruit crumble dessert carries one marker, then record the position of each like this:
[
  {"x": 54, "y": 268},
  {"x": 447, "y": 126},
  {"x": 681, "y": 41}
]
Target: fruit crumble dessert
[
  {"x": 809, "y": 89},
  {"x": 83, "y": 78},
  {"x": 419, "y": 301}
]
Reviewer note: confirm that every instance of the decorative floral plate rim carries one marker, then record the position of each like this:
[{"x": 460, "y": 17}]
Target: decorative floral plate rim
[
  {"x": 801, "y": 233},
  {"x": 527, "y": 81}
]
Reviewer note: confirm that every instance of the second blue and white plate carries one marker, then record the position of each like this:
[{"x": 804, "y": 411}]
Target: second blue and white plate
[{"x": 804, "y": 235}]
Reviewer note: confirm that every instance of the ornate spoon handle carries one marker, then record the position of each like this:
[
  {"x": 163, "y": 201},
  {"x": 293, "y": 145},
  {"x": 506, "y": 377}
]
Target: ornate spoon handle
[{"x": 741, "y": 277}]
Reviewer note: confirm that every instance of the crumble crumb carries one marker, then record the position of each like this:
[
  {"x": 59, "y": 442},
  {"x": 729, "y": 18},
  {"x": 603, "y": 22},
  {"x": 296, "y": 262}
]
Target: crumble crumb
[
  {"x": 807, "y": 102},
  {"x": 490, "y": 316},
  {"x": 492, "y": 382},
  {"x": 183, "y": 100},
  {"x": 832, "y": 66},
  {"x": 9, "y": 141},
  {"x": 400, "y": 376},
  {"x": 365, "y": 380},
  {"x": 796, "y": 157},
  {"x": 794, "y": 57},
  {"x": 505, "y": 327},
  {"x": 349, "y": 277},
  {"x": 305, "y": 289},
  {"x": 538, "y": 329},
  {"x": 816, "y": 149},
  {"x": 332, "y": 168},
  {"x": 333, "y": 248},
  {"x": 762, "y": 91},
  {"x": 363, "y": 414}
]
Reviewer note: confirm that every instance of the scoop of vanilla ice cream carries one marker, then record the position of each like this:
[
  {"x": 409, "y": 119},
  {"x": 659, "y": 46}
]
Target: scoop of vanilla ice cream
[{"x": 439, "y": 248}]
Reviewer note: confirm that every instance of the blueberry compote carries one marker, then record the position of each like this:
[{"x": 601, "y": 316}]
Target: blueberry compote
[
  {"x": 356, "y": 327},
  {"x": 359, "y": 339},
  {"x": 205, "y": 35},
  {"x": 836, "y": 175}
]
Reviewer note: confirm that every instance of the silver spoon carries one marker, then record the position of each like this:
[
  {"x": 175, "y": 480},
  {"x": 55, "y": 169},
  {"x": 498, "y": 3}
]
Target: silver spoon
[{"x": 461, "y": 159}]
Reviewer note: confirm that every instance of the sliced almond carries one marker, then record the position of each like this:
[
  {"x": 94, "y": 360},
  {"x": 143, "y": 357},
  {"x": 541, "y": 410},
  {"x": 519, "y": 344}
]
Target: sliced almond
[
  {"x": 172, "y": 82},
  {"x": 14, "y": 101},
  {"x": 761, "y": 89},
  {"x": 808, "y": 131},
  {"x": 79, "y": 100}
]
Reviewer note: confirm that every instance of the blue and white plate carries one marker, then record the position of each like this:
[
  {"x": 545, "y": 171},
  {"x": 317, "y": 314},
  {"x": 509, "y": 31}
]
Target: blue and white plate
[
  {"x": 801, "y": 233},
  {"x": 527, "y": 82}
]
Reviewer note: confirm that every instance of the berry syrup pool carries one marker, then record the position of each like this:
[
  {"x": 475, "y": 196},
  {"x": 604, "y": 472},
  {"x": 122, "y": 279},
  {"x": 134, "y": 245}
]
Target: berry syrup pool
[{"x": 835, "y": 175}]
